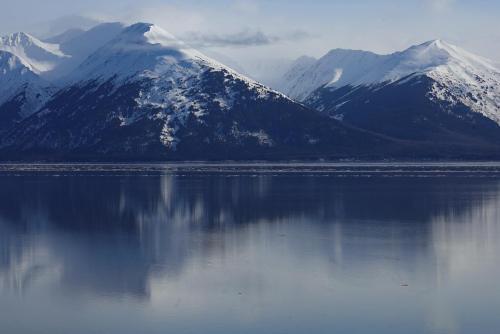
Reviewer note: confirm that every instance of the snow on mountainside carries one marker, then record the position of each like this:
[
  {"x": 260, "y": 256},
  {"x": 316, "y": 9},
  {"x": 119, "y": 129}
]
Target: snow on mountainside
[
  {"x": 295, "y": 70},
  {"x": 15, "y": 76},
  {"x": 22, "y": 91},
  {"x": 460, "y": 77}
]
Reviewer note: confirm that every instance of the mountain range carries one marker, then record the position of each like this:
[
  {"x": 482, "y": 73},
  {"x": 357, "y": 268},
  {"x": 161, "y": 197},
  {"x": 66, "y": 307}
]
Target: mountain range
[{"x": 133, "y": 93}]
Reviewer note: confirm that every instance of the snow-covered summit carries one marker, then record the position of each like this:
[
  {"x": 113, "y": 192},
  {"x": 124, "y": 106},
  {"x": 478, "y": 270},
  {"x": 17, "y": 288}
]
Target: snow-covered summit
[
  {"x": 143, "y": 34},
  {"x": 429, "y": 58},
  {"x": 138, "y": 48},
  {"x": 462, "y": 77},
  {"x": 146, "y": 50}
]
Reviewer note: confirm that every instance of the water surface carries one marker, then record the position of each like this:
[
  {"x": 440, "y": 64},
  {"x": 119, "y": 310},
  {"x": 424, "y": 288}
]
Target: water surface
[{"x": 250, "y": 249}]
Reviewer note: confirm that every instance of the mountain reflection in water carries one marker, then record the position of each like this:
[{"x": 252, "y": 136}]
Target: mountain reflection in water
[{"x": 247, "y": 253}]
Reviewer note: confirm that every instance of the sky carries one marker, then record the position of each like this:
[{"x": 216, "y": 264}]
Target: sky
[{"x": 250, "y": 30}]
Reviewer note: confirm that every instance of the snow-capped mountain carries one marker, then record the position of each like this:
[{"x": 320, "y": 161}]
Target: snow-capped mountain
[
  {"x": 30, "y": 68},
  {"x": 433, "y": 92},
  {"x": 460, "y": 77},
  {"x": 143, "y": 94}
]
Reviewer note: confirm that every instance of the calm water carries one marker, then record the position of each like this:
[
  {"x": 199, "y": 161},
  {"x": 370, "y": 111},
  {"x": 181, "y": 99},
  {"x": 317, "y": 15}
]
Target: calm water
[{"x": 304, "y": 249}]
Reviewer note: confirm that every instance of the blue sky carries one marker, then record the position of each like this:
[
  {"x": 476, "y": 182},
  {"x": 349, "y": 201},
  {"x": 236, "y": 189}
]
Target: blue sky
[{"x": 287, "y": 28}]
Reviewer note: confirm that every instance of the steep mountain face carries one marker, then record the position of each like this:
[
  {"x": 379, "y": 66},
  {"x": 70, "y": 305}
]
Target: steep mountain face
[
  {"x": 433, "y": 92},
  {"x": 145, "y": 95}
]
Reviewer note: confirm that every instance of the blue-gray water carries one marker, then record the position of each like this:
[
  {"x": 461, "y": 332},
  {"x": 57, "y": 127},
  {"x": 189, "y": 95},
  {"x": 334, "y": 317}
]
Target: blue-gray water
[{"x": 232, "y": 249}]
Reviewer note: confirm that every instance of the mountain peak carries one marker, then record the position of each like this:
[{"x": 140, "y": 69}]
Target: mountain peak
[
  {"x": 438, "y": 52},
  {"x": 140, "y": 48},
  {"x": 436, "y": 46}
]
